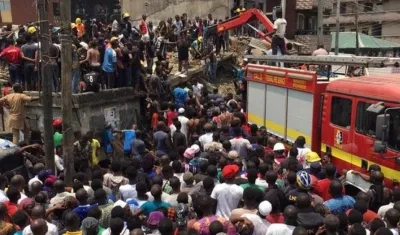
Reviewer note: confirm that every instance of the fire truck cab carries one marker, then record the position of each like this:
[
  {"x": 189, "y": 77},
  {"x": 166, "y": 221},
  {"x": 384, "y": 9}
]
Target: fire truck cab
[{"x": 355, "y": 120}]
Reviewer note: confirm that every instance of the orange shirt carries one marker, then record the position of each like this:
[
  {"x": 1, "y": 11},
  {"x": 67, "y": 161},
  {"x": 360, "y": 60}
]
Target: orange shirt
[
  {"x": 81, "y": 30},
  {"x": 154, "y": 120},
  {"x": 322, "y": 189}
]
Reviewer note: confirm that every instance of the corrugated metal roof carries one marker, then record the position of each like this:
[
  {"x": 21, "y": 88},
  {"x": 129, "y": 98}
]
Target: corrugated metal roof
[
  {"x": 305, "y": 4},
  {"x": 347, "y": 40}
]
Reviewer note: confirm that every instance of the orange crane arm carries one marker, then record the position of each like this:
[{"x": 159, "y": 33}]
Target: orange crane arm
[{"x": 237, "y": 21}]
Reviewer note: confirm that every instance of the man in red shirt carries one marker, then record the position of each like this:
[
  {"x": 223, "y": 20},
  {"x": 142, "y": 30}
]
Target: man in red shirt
[
  {"x": 143, "y": 25},
  {"x": 13, "y": 56},
  {"x": 322, "y": 186}
]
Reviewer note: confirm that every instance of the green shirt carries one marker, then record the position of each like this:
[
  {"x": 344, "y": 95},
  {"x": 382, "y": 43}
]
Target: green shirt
[
  {"x": 57, "y": 138},
  {"x": 247, "y": 185},
  {"x": 101, "y": 229}
]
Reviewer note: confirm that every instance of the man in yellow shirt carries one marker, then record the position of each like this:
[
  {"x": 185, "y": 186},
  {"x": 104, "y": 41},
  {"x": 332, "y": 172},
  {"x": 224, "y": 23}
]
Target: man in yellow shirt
[
  {"x": 95, "y": 144},
  {"x": 72, "y": 224}
]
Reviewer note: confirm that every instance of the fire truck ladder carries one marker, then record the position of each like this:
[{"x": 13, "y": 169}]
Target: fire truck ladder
[{"x": 361, "y": 61}]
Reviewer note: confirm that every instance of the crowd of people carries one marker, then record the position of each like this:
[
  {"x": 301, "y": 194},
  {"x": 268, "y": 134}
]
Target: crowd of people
[
  {"x": 199, "y": 169},
  {"x": 118, "y": 54}
]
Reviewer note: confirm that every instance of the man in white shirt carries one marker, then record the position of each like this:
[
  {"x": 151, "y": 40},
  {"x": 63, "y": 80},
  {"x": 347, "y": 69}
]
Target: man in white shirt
[
  {"x": 38, "y": 212},
  {"x": 227, "y": 194},
  {"x": 59, "y": 188},
  {"x": 184, "y": 120},
  {"x": 128, "y": 191},
  {"x": 18, "y": 181},
  {"x": 395, "y": 198},
  {"x": 208, "y": 136},
  {"x": 36, "y": 169},
  {"x": 278, "y": 38},
  {"x": 259, "y": 222}
]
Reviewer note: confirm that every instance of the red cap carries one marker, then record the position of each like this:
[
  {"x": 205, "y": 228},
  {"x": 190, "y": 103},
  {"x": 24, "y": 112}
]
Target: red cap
[
  {"x": 230, "y": 171},
  {"x": 57, "y": 122}
]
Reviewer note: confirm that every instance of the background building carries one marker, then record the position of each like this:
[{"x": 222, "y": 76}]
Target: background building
[{"x": 378, "y": 18}]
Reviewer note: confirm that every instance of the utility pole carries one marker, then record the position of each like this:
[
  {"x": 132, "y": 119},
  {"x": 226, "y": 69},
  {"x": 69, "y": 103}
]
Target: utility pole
[
  {"x": 337, "y": 27},
  {"x": 283, "y": 5},
  {"x": 66, "y": 92},
  {"x": 357, "y": 29},
  {"x": 320, "y": 28},
  {"x": 46, "y": 80}
]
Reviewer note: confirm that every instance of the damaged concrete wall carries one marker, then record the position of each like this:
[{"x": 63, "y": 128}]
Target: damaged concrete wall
[
  {"x": 163, "y": 9},
  {"x": 118, "y": 107}
]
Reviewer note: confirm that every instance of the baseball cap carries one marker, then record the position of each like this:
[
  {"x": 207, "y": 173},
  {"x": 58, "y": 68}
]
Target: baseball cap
[
  {"x": 189, "y": 153},
  {"x": 233, "y": 154},
  {"x": 155, "y": 218},
  {"x": 181, "y": 110},
  {"x": 89, "y": 223},
  {"x": 196, "y": 148},
  {"x": 265, "y": 208},
  {"x": 279, "y": 147},
  {"x": 188, "y": 176},
  {"x": 230, "y": 171}
]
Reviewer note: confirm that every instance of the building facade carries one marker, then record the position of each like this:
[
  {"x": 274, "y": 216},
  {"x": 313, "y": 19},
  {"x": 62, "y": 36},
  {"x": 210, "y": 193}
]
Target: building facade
[
  {"x": 378, "y": 18},
  {"x": 23, "y": 11}
]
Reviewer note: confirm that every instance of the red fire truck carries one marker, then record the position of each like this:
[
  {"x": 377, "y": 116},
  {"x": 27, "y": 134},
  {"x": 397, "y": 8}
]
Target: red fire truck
[{"x": 355, "y": 119}]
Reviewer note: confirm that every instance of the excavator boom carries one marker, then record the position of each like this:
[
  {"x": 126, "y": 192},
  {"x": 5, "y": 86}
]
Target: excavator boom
[{"x": 240, "y": 20}]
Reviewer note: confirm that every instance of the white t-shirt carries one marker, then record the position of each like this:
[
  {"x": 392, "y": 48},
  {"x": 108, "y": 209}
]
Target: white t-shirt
[
  {"x": 184, "y": 120},
  {"x": 280, "y": 27},
  {"x": 128, "y": 191},
  {"x": 206, "y": 139},
  {"x": 172, "y": 199},
  {"x": 260, "y": 225},
  {"x": 228, "y": 197},
  {"x": 382, "y": 210},
  {"x": 164, "y": 196},
  {"x": 23, "y": 196},
  {"x": 279, "y": 229},
  {"x": 262, "y": 183},
  {"x": 395, "y": 231},
  {"x": 59, "y": 162},
  {"x": 51, "y": 230}
]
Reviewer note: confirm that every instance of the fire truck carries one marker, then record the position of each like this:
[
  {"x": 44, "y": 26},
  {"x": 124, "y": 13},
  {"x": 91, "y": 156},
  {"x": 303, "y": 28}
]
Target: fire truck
[{"x": 356, "y": 120}]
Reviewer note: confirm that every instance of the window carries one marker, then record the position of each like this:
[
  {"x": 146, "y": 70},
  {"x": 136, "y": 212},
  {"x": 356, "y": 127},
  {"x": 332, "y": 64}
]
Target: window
[
  {"x": 300, "y": 21},
  {"x": 343, "y": 7},
  {"x": 365, "y": 121},
  {"x": 366, "y": 124},
  {"x": 341, "y": 111},
  {"x": 4, "y": 5},
  {"x": 368, "y": 7},
  {"x": 394, "y": 130},
  {"x": 56, "y": 9}
]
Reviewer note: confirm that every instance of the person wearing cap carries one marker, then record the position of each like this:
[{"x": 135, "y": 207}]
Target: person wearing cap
[
  {"x": 311, "y": 157},
  {"x": 16, "y": 104},
  {"x": 188, "y": 187},
  {"x": 188, "y": 156},
  {"x": 183, "y": 120},
  {"x": 125, "y": 24},
  {"x": 258, "y": 220},
  {"x": 227, "y": 194},
  {"x": 80, "y": 27},
  {"x": 196, "y": 48},
  {"x": 279, "y": 152},
  {"x": 90, "y": 226},
  {"x": 109, "y": 66}
]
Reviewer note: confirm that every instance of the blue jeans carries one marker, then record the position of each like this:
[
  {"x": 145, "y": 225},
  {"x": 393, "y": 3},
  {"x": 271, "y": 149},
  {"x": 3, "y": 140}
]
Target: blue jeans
[
  {"x": 212, "y": 70},
  {"x": 15, "y": 73},
  {"x": 76, "y": 75}
]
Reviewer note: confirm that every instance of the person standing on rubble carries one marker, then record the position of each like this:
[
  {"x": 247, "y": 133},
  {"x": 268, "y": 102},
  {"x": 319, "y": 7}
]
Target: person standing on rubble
[
  {"x": 16, "y": 104},
  {"x": 278, "y": 38}
]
